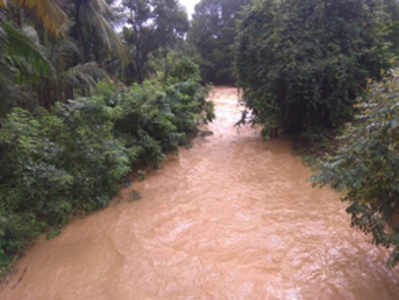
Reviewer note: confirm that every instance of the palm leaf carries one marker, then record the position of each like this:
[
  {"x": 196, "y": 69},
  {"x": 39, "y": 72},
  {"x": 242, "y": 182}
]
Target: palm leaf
[
  {"x": 18, "y": 48},
  {"x": 2, "y": 38},
  {"x": 84, "y": 76},
  {"x": 48, "y": 12},
  {"x": 63, "y": 53},
  {"x": 95, "y": 16}
]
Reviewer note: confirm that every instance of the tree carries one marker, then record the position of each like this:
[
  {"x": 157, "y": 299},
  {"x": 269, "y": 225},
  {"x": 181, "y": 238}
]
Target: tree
[
  {"x": 20, "y": 61},
  {"x": 213, "y": 33},
  {"x": 93, "y": 29},
  {"x": 138, "y": 36},
  {"x": 152, "y": 25},
  {"x": 366, "y": 167},
  {"x": 171, "y": 25},
  {"x": 302, "y": 63},
  {"x": 76, "y": 54},
  {"x": 49, "y": 13},
  {"x": 392, "y": 11}
]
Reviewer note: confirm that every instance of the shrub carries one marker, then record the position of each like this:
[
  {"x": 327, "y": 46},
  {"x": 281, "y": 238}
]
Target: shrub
[
  {"x": 179, "y": 67},
  {"x": 53, "y": 165},
  {"x": 302, "y": 63},
  {"x": 366, "y": 167},
  {"x": 183, "y": 68}
]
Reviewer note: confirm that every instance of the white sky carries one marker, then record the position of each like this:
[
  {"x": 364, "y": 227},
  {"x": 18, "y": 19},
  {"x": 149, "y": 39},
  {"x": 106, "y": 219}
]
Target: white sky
[{"x": 189, "y": 4}]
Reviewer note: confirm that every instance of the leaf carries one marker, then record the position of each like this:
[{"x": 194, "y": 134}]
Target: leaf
[{"x": 48, "y": 12}]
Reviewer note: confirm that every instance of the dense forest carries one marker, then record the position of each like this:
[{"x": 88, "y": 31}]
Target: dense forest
[{"x": 92, "y": 90}]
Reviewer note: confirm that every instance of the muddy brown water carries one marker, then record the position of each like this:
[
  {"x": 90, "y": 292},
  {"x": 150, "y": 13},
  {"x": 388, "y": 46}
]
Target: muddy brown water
[{"x": 230, "y": 218}]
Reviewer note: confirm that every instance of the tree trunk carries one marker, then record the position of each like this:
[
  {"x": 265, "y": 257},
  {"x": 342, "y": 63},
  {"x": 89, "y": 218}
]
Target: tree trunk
[{"x": 166, "y": 72}]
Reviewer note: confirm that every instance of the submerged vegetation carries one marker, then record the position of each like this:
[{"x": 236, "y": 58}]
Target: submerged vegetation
[{"x": 91, "y": 90}]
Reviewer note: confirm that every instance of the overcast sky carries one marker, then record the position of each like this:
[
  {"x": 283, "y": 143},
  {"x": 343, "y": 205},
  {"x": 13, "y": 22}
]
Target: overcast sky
[{"x": 189, "y": 4}]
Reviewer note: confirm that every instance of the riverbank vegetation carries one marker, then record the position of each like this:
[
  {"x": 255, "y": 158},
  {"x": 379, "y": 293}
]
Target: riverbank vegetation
[
  {"x": 83, "y": 105},
  {"x": 302, "y": 64},
  {"x": 317, "y": 69},
  {"x": 366, "y": 165},
  {"x": 73, "y": 157}
]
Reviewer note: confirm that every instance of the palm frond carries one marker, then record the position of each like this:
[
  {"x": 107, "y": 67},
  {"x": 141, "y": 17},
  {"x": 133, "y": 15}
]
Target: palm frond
[
  {"x": 48, "y": 12},
  {"x": 84, "y": 76},
  {"x": 63, "y": 54},
  {"x": 19, "y": 48},
  {"x": 13, "y": 94},
  {"x": 95, "y": 17},
  {"x": 2, "y": 38}
]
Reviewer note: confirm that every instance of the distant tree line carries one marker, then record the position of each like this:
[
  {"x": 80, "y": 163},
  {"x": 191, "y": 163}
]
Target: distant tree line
[{"x": 212, "y": 33}]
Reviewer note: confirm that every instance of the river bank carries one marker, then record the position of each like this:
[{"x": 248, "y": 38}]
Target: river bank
[{"x": 231, "y": 218}]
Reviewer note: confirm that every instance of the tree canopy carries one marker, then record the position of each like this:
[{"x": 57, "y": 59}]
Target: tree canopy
[
  {"x": 212, "y": 33},
  {"x": 366, "y": 166},
  {"x": 153, "y": 25},
  {"x": 302, "y": 63}
]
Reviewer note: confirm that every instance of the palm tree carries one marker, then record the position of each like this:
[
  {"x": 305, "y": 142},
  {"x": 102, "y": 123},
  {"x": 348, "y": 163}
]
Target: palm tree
[
  {"x": 51, "y": 16},
  {"x": 92, "y": 19},
  {"x": 21, "y": 61},
  {"x": 75, "y": 57}
]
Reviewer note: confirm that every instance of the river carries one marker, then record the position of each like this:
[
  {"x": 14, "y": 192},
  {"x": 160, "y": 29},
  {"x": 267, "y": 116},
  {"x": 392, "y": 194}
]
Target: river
[{"x": 231, "y": 218}]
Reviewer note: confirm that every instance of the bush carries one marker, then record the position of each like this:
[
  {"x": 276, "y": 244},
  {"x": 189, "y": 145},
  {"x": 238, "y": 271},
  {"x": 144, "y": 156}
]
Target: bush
[
  {"x": 366, "y": 167},
  {"x": 184, "y": 68},
  {"x": 179, "y": 67},
  {"x": 302, "y": 63},
  {"x": 53, "y": 165},
  {"x": 72, "y": 159}
]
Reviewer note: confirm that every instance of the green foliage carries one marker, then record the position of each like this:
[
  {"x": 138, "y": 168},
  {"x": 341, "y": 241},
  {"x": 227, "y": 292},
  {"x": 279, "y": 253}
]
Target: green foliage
[
  {"x": 302, "y": 63},
  {"x": 21, "y": 61},
  {"x": 21, "y": 51},
  {"x": 54, "y": 164},
  {"x": 366, "y": 167},
  {"x": 212, "y": 33},
  {"x": 392, "y": 12},
  {"x": 72, "y": 158},
  {"x": 184, "y": 68},
  {"x": 180, "y": 68},
  {"x": 43, "y": 67},
  {"x": 67, "y": 157},
  {"x": 155, "y": 26}
]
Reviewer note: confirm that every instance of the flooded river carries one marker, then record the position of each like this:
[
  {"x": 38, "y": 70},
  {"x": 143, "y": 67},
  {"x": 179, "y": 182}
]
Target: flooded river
[{"x": 230, "y": 218}]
